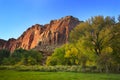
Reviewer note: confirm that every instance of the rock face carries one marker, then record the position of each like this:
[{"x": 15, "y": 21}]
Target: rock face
[
  {"x": 43, "y": 37},
  {"x": 2, "y": 43},
  {"x": 10, "y": 44}
]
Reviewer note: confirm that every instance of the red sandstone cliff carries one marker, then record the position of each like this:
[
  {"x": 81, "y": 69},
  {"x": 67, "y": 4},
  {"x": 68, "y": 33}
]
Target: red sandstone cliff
[
  {"x": 43, "y": 37},
  {"x": 2, "y": 43}
]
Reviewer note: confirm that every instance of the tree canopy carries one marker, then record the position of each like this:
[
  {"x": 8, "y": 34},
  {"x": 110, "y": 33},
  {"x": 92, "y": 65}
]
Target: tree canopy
[{"x": 94, "y": 42}]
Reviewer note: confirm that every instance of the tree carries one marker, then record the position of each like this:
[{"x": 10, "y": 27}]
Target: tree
[
  {"x": 95, "y": 32},
  {"x": 116, "y": 46},
  {"x": 18, "y": 55},
  {"x": 68, "y": 54},
  {"x": 8, "y": 61},
  {"x": 57, "y": 58},
  {"x": 119, "y": 18},
  {"x": 37, "y": 56},
  {"x": 71, "y": 54},
  {"x": 74, "y": 55},
  {"x": 4, "y": 54},
  {"x": 96, "y": 36},
  {"x": 27, "y": 57},
  {"x": 116, "y": 42},
  {"x": 31, "y": 61}
]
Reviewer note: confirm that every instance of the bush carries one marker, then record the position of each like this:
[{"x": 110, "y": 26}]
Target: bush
[
  {"x": 48, "y": 68},
  {"x": 24, "y": 57}
]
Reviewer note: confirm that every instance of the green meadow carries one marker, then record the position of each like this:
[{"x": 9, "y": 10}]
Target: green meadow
[{"x": 31, "y": 75}]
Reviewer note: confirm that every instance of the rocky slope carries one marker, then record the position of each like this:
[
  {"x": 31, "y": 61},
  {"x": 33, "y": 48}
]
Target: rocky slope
[
  {"x": 43, "y": 37},
  {"x": 2, "y": 43}
]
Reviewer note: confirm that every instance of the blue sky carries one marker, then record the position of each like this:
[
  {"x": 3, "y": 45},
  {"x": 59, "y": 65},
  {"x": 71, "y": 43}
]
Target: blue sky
[{"x": 17, "y": 15}]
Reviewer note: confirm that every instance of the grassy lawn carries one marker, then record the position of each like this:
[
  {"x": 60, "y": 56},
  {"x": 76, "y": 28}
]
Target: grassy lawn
[{"x": 30, "y": 75}]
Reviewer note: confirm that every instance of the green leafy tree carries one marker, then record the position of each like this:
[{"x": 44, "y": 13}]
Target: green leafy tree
[
  {"x": 69, "y": 54},
  {"x": 18, "y": 55},
  {"x": 27, "y": 57},
  {"x": 8, "y": 61},
  {"x": 4, "y": 54},
  {"x": 96, "y": 38},
  {"x": 96, "y": 33},
  {"x": 36, "y": 55},
  {"x": 72, "y": 54},
  {"x": 31, "y": 61},
  {"x": 116, "y": 47},
  {"x": 57, "y": 58}
]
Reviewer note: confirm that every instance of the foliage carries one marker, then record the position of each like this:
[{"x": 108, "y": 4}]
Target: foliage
[
  {"x": 96, "y": 33},
  {"x": 58, "y": 68},
  {"x": 94, "y": 42},
  {"x": 57, "y": 57},
  {"x": 4, "y": 54},
  {"x": 20, "y": 57},
  {"x": 69, "y": 54},
  {"x": 18, "y": 54},
  {"x": 24, "y": 57},
  {"x": 8, "y": 61},
  {"x": 116, "y": 43},
  {"x": 99, "y": 37}
]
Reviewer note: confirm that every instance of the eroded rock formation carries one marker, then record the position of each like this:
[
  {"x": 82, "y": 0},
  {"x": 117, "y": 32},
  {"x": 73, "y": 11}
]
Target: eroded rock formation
[{"x": 43, "y": 37}]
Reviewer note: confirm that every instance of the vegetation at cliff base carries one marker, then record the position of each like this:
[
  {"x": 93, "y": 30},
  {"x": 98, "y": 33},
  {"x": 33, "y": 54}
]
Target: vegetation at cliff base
[
  {"x": 20, "y": 57},
  {"x": 95, "y": 42}
]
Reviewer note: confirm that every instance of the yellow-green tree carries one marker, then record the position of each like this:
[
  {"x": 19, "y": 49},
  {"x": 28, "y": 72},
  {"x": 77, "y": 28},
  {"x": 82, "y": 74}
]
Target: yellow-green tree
[
  {"x": 57, "y": 58},
  {"x": 71, "y": 54},
  {"x": 95, "y": 37},
  {"x": 96, "y": 33},
  {"x": 116, "y": 47}
]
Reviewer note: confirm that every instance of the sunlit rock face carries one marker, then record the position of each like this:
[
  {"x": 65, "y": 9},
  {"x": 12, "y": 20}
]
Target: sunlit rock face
[{"x": 43, "y": 37}]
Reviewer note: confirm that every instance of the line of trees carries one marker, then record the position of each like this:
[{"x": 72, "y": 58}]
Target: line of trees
[
  {"x": 20, "y": 57},
  {"x": 95, "y": 42}
]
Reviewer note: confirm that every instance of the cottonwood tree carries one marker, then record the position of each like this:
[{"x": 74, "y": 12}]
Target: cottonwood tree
[{"x": 97, "y": 36}]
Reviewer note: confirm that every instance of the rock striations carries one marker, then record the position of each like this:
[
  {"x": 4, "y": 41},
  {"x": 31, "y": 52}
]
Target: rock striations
[{"x": 44, "y": 38}]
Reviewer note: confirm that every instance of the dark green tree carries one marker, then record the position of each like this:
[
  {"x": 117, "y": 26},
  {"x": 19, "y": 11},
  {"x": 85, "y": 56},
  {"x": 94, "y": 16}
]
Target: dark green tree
[
  {"x": 19, "y": 54},
  {"x": 27, "y": 57},
  {"x": 4, "y": 54}
]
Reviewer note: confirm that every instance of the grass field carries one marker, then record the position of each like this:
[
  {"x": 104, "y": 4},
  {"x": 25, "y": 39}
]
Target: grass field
[{"x": 31, "y": 75}]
